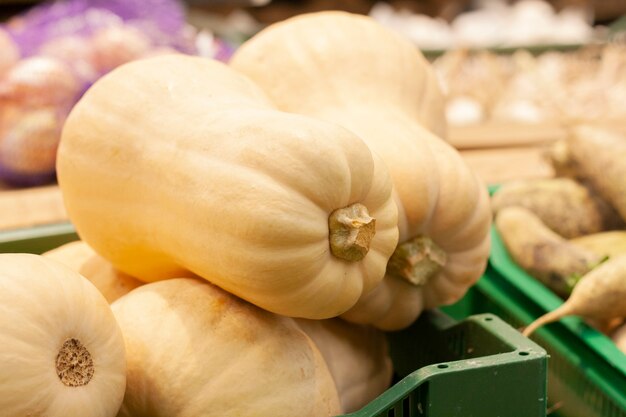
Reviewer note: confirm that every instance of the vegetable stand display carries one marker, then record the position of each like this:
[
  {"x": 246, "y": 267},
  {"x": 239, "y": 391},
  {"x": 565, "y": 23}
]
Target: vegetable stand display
[
  {"x": 586, "y": 371},
  {"x": 477, "y": 366}
]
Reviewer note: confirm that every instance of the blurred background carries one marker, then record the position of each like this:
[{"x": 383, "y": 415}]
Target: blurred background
[{"x": 516, "y": 74}]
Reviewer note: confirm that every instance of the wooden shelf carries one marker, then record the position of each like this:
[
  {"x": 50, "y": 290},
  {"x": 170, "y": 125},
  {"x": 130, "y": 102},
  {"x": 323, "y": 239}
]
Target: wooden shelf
[{"x": 21, "y": 208}]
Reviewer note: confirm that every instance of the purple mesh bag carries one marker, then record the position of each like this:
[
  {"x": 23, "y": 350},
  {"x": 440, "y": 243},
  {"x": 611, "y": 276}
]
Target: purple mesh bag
[
  {"x": 65, "y": 46},
  {"x": 162, "y": 20}
]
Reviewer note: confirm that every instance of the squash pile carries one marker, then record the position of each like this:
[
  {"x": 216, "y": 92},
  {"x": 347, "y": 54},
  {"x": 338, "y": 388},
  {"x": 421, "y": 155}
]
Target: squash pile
[{"x": 257, "y": 225}]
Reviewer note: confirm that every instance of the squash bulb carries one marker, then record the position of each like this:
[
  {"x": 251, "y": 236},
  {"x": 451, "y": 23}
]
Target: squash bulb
[{"x": 61, "y": 350}]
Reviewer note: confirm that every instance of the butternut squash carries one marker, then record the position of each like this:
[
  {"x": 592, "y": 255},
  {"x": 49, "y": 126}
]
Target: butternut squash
[
  {"x": 196, "y": 351},
  {"x": 349, "y": 70},
  {"x": 357, "y": 357},
  {"x": 81, "y": 258},
  {"x": 61, "y": 350},
  {"x": 179, "y": 163}
]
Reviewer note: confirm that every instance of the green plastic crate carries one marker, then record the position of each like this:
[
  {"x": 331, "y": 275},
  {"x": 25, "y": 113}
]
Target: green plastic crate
[
  {"x": 586, "y": 371},
  {"x": 476, "y": 367}
]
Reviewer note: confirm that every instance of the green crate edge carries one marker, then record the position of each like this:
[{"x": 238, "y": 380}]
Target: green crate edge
[
  {"x": 547, "y": 300},
  {"x": 41, "y": 238},
  {"x": 534, "y": 299}
]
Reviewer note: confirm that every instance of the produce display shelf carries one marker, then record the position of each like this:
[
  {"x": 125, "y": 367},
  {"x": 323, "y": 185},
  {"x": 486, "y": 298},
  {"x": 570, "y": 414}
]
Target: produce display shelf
[
  {"x": 431, "y": 54},
  {"x": 474, "y": 366},
  {"x": 586, "y": 370}
]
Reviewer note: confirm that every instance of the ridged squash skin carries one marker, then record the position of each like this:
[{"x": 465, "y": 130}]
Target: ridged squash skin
[
  {"x": 357, "y": 357},
  {"x": 349, "y": 70},
  {"x": 179, "y": 163},
  {"x": 196, "y": 351},
  {"x": 81, "y": 258},
  {"x": 61, "y": 350}
]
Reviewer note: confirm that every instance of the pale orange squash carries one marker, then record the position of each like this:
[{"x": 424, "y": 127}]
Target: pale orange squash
[
  {"x": 357, "y": 358},
  {"x": 61, "y": 349},
  {"x": 179, "y": 163},
  {"x": 81, "y": 258},
  {"x": 196, "y": 351},
  {"x": 349, "y": 70}
]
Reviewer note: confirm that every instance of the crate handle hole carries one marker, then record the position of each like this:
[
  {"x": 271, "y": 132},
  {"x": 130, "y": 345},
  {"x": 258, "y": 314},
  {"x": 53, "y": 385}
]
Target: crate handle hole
[
  {"x": 488, "y": 318},
  {"x": 522, "y": 353},
  {"x": 442, "y": 366}
]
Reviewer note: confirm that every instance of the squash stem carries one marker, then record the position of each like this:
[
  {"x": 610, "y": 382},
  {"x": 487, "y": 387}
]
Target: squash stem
[
  {"x": 74, "y": 364},
  {"x": 351, "y": 230},
  {"x": 417, "y": 260}
]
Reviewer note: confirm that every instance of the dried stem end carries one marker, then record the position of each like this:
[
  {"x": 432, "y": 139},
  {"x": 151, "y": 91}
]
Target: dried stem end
[
  {"x": 351, "y": 230},
  {"x": 74, "y": 364},
  {"x": 417, "y": 260}
]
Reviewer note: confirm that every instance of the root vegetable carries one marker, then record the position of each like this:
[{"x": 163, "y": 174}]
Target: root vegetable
[
  {"x": 565, "y": 206},
  {"x": 541, "y": 252},
  {"x": 609, "y": 244},
  {"x": 619, "y": 337},
  {"x": 599, "y": 156},
  {"x": 599, "y": 296},
  {"x": 558, "y": 155}
]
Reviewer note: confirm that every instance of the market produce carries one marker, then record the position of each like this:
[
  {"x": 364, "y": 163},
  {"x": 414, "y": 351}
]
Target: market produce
[
  {"x": 53, "y": 51},
  {"x": 196, "y": 351},
  {"x": 369, "y": 67},
  {"x": 81, "y": 258},
  {"x": 554, "y": 88},
  {"x": 559, "y": 157},
  {"x": 350, "y": 70},
  {"x": 544, "y": 254},
  {"x": 599, "y": 296},
  {"x": 565, "y": 206},
  {"x": 195, "y": 170},
  {"x": 599, "y": 156},
  {"x": 61, "y": 350},
  {"x": 116, "y": 45},
  {"x": 619, "y": 337},
  {"x": 488, "y": 24},
  {"x": 28, "y": 143},
  {"x": 10, "y": 53},
  {"x": 609, "y": 244},
  {"x": 39, "y": 81},
  {"x": 356, "y": 356},
  {"x": 75, "y": 51}
]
